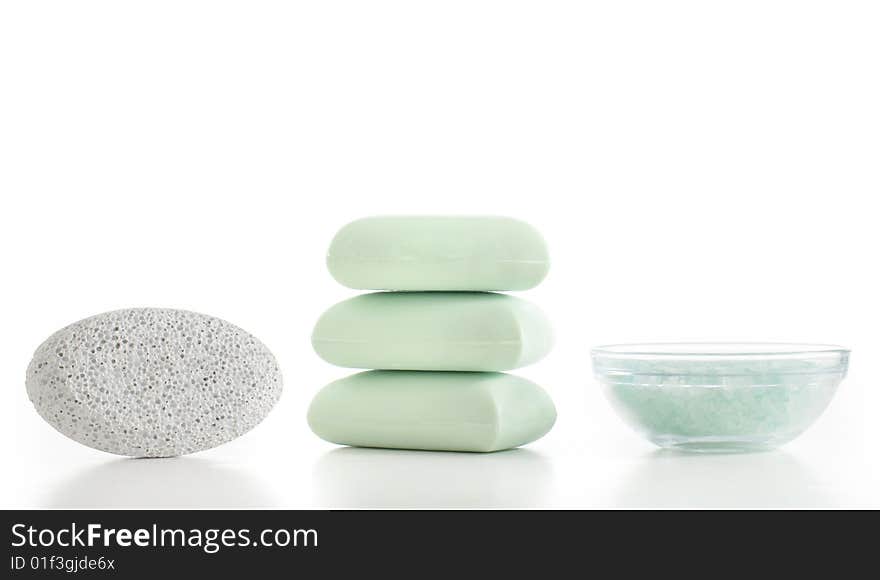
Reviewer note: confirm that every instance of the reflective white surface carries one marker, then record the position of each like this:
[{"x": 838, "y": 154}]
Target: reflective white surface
[
  {"x": 361, "y": 478},
  {"x": 590, "y": 460},
  {"x": 668, "y": 479},
  {"x": 373, "y": 478},
  {"x": 182, "y": 482}
]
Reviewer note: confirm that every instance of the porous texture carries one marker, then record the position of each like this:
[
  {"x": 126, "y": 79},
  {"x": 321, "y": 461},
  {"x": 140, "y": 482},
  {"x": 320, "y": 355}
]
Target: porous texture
[{"x": 150, "y": 382}]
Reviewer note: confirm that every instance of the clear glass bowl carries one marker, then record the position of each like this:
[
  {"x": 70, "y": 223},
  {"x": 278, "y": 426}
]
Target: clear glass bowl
[{"x": 720, "y": 397}]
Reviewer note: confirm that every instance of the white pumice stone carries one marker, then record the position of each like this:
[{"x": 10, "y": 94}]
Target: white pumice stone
[{"x": 153, "y": 382}]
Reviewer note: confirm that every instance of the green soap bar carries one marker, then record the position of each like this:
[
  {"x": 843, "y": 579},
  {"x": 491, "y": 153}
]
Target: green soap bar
[
  {"x": 432, "y": 411},
  {"x": 433, "y": 331},
  {"x": 438, "y": 253}
]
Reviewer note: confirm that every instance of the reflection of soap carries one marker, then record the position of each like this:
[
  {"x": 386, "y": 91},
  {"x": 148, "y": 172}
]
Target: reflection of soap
[
  {"x": 438, "y": 253},
  {"x": 433, "y": 331},
  {"x": 353, "y": 477},
  {"x": 153, "y": 382},
  {"x": 438, "y": 411}
]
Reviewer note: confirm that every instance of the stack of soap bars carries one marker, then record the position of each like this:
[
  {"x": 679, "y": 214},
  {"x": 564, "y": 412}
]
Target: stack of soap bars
[{"x": 438, "y": 332}]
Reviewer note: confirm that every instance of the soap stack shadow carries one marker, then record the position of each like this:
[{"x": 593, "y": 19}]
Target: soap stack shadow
[{"x": 439, "y": 333}]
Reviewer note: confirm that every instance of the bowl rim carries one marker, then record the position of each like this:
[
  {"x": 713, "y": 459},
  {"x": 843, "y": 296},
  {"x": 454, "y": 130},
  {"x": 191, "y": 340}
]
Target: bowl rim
[{"x": 717, "y": 350}]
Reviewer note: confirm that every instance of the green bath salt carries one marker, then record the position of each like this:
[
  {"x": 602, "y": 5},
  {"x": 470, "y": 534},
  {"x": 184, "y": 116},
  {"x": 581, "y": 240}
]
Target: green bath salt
[{"x": 720, "y": 397}]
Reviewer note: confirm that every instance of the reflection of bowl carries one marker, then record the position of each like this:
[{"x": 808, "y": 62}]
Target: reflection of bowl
[
  {"x": 667, "y": 479},
  {"x": 720, "y": 397}
]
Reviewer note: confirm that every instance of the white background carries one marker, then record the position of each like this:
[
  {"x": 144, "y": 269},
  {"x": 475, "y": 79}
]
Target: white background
[{"x": 701, "y": 170}]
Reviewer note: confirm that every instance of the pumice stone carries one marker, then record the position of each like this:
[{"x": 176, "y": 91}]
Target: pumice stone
[
  {"x": 432, "y": 411},
  {"x": 151, "y": 382},
  {"x": 473, "y": 253},
  {"x": 433, "y": 331}
]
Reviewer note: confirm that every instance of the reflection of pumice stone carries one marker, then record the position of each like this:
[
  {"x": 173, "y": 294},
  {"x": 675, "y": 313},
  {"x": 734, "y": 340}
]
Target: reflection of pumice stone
[
  {"x": 433, "y": 331},
  {"x": 151, "y": 382},
  {"x": 438, "y": 253},
  {"x": 433, "y": 411}
]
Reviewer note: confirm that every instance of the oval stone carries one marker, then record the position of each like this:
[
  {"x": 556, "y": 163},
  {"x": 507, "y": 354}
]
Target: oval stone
[
  {"x": 151, "y": 382},
  {"x": 432, "y": 411},
  {"x": 472, "y": 253}
]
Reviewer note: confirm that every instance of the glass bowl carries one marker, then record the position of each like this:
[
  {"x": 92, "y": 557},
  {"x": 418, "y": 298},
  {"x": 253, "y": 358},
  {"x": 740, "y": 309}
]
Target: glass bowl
[{"x": 720, "y": 397}]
